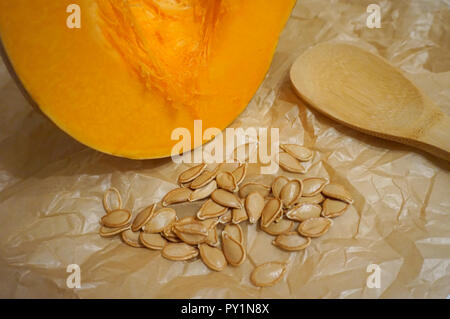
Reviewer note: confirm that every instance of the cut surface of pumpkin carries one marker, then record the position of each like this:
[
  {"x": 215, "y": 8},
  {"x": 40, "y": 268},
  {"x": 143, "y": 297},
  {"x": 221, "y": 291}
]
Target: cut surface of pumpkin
[{"x": 138, "y": 69}]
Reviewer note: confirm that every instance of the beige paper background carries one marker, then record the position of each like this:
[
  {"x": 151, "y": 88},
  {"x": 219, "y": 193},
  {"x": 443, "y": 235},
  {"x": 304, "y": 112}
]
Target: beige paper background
[{"x": 51, "y": 186}]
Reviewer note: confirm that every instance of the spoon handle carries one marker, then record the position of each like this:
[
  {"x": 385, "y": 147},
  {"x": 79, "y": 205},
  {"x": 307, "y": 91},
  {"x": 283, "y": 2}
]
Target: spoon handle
[{"x": 436, "y": 137}]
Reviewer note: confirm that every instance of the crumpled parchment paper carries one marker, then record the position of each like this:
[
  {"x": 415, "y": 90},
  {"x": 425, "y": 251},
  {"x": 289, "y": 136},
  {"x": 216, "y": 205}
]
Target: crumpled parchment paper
[{"x": 51, "y": 186}]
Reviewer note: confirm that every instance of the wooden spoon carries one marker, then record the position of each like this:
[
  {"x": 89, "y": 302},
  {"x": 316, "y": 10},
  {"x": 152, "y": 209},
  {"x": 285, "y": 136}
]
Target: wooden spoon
[{"x": 365, "y": 92}]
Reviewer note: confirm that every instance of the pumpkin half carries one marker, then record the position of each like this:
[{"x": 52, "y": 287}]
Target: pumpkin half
[{"x": 138, "y": 69}]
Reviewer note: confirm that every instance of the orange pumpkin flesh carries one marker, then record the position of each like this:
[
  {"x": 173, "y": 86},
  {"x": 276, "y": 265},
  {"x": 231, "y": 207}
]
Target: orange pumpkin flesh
[{"x": 138, "y": 69}]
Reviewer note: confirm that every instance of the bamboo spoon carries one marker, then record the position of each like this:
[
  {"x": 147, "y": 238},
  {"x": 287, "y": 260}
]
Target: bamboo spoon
[{"x": 365, "y": 92}]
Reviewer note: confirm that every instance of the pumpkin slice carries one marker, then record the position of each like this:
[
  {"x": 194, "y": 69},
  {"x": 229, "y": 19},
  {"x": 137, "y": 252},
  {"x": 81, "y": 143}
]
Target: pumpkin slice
[{"x": 138, "y": 69}]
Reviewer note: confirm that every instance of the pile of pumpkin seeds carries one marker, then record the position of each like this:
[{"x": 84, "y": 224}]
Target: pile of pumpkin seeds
[{"x": 214, "y": 233}]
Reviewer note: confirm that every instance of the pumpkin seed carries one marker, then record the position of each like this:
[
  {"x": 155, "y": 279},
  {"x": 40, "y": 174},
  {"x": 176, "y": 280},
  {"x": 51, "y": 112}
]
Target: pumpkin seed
[
  {"x": 185, "y": 220},
  {"x": 313, "y": 186},
  {"x": 291, "y": 241},
  {"x": 290, "y": 163},
  {"x": 210, "y": 223},
  {"x": 143, "y": 217},
  {"x": 243, "y": 152},
  {"x": 233, "y": 250},
  {"x": 302, "y": 212},
  {"x": 177, "y": 195},
  {"x": 314, "y": 227},
  {"x": 225, "y": 198},
  {"x": 212, "y": 239},
  {"x": 239, "y": 215},
  {"x": 333, "y": 208},
  {"x": 109, "y": 232},
  {"x": 116, "y": 218},
  {"x": 212, "y": 257},
  {"x": 301, "y": 153},
  {"x": 278, "y": 185},
  {"x": 226, "y": 181},
  {"x": 160, "y": 220},
  {"x": 271, "y": 211},
  {"x": 179, "y": 251},
  {"x": 239, "y": 173},
  {"x": 226, "y": 218},
  {"x": 191, "y": 173},
  {"x": 279, "y": 217},
  {"x": 131, "y": 238},
  {"x": 235, "y": 231},
  {"x": 106, "y": 204},
  {"x": 291, "y": 192},
  {"x": 211, "y": 209},
  {"x": 283, "y": 226},
  {"x": 203, "y": 192},
  {"x": 254, "y": 205},
  {"x": 152, "y": 241},
  {"x": 337, "y": 191},
  {"x": 193, "y": 233},
  {"x": 268, "y": 274},
  {"x": 168, "y": 234},
  {"x": 203, "y": 179},
  {"x": 316, "y": 199},
  {"x": 252, "y": 187}
]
